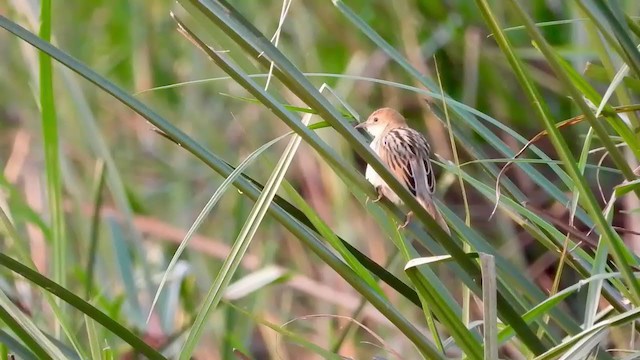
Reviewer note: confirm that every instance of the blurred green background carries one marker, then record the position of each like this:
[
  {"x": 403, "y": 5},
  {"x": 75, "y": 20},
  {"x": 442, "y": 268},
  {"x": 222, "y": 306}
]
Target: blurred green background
[{"x": 280, "y": 282}]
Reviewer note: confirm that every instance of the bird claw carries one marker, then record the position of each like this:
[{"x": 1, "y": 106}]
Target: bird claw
[
  {"x": 407, "y": 221},
  {"x": 376, "y": 199},
  {"x": 379, "y": 195}
]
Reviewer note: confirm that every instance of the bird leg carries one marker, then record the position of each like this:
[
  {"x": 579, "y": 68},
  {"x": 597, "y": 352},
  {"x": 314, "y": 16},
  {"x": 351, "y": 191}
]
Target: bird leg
[
  {"x": 380, "y": 195},
  {"x": 407, "y": 221}
]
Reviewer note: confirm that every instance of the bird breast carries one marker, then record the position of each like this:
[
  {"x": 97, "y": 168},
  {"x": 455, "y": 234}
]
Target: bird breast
[{"x": 372, "y": 176}]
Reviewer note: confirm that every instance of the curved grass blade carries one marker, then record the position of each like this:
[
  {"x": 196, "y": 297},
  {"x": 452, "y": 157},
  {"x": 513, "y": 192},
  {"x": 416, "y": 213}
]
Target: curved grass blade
[
  {"x": 240, "y": 246},
  {"x": 51, "y": 149},
  {"x": 205, "y": 211}
]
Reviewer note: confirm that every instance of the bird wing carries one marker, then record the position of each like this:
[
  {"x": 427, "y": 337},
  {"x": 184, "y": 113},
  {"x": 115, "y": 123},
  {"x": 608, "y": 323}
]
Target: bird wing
[{"x": 406, "y": 153}]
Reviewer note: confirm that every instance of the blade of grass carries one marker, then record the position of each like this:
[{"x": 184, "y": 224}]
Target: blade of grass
[
  {"x": 332, "y": 239},
  {"x": 51, "y": 155},
  {"x": 205, "y": 211},
  {"x": 240, "y": 246},
  {"x": 289, "y": 335},
  {"x": 27, "y": 325}
]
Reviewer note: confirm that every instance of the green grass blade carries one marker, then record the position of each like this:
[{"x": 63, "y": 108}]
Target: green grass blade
[
  {"x": 51, "y": 149},
  {"x": 240, "y": 246},
  {"x": 332, "y": 239},
  {"x": 205, "y": 211}
]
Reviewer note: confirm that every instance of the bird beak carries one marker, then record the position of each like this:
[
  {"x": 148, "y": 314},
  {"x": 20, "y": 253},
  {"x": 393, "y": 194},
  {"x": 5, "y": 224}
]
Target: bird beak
[{"x": 360, "y": 126}]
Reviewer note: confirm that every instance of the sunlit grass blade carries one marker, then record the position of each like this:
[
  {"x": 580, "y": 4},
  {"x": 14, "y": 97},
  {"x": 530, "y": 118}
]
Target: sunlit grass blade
[
  {"x": 254, "y": 282},
  {"x": 92, "y": 337},
  {"x": 205, "y": 211},
  {"x": 51, "y": 150},
  {"x": 240, "y": 246}
]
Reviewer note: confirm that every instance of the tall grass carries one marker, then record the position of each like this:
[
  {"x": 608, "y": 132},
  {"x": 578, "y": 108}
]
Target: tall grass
[{"x": 139, "y": 132}]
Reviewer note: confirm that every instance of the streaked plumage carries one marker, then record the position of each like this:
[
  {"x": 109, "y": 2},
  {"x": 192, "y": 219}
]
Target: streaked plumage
[{"x": 406, "y": 153}]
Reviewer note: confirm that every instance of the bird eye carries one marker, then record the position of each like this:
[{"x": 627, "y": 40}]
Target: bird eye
[{"x": 375, "y": 119}]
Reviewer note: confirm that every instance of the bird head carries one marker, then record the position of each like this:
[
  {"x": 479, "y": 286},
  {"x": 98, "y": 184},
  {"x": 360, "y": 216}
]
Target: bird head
[{"x": 381, "y": 120}]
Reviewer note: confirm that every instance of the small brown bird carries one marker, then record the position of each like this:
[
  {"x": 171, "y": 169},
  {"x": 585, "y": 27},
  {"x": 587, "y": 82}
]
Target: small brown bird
[{"x": 405, "y": 152}]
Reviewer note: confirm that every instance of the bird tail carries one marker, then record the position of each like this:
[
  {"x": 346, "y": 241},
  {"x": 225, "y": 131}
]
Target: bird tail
[{"x": 431, "y": 208}]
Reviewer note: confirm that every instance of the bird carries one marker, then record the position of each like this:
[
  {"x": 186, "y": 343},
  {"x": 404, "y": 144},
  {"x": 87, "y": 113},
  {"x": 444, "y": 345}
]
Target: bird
[{"x": 405, "y": 152}]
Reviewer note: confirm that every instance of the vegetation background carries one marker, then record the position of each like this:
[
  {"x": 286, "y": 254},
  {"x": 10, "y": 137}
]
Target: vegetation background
[{"x": 116, "y": 148}]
